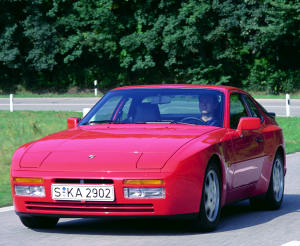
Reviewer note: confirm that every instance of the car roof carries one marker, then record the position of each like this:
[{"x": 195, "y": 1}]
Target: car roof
[{"x": 175, "y": 86}]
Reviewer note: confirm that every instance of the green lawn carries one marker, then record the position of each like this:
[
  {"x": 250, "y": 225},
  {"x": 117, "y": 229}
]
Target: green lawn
[
  {"x": 264, "y": 95},
  {"x": 291, "y": 132},
  {"x": 32, "y": 95},
  {"x": 18, "y": 128},
  {"x": 21, "y": 127}
]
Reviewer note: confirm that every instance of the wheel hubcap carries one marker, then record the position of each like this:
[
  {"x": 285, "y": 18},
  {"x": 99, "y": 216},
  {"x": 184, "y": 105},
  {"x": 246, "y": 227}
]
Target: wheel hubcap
[
  {"x": 211, "y": 195},
  {"x": 278, "y": 180}
]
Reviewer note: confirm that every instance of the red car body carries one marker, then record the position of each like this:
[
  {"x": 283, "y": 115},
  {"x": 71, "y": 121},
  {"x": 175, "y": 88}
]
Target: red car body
[{"x": 177, "y": 154}]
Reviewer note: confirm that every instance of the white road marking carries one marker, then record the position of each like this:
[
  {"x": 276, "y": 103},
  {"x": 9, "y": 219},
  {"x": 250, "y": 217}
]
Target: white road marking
[
  {"x": 5, "y": 209},
  {"x": 292, "y": 243}
]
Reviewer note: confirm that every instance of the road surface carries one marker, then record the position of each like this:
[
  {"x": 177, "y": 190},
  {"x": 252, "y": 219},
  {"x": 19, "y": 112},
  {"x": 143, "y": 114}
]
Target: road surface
[
  {"x": 77, "y": 104},
  {"x": 240, "y": 226}
]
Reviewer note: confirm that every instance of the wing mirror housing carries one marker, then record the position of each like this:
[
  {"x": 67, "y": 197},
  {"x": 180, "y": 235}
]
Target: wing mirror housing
[
  {"x": 248, "y": 123},
  {"x": 72, "y": 122},
  {"x": 272, "y": 115}
]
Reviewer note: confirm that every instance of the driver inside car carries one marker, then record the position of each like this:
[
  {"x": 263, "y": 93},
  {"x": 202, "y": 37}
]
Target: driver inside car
[{"x": 208, "y": 108}]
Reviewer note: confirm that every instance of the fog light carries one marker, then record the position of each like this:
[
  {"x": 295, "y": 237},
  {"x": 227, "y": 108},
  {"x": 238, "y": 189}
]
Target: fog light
[
  {"x": 30, "y": 190},
  {"x": 144, "y": 192}
]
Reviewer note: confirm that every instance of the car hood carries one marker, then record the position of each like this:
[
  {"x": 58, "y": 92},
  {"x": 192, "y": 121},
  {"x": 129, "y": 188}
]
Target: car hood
[{"x": 109, "y": 148}]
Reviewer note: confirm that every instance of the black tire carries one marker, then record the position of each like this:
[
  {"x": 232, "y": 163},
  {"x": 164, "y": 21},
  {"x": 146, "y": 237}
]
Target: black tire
[
  {"x": 273, "y": 198},
  {"x": 208, "y": 218},
  {"x": 38, "y": 222},
  {"x": 257, "y": 203}
]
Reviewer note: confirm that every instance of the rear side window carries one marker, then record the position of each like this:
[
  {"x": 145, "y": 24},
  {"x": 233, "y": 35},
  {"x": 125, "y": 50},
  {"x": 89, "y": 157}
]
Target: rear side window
[
  {"x": 237, "y": 110},
  {"x": 253, "y": 109}
]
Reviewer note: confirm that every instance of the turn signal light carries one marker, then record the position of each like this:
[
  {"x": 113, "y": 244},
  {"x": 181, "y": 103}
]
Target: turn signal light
[
  {"x": 28, "y": 180},
  {"x": 143, "y": 182}
]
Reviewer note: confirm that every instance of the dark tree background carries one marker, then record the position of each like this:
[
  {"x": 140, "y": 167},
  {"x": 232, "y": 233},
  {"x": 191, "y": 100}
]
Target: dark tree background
[{"x": 58, "y": 44}]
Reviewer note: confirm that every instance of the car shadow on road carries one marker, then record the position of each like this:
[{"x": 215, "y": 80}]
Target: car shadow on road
[
  {"x": 241, "y": 215},
  {"x": 234, "y": 217}
]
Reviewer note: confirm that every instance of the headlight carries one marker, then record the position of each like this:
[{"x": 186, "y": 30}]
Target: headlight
[
  {"x": 30, "y": 190},
  {"x": 144, "y": 192}
]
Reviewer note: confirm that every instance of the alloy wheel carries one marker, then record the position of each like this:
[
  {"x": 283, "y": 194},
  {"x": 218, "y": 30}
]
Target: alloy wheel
[
  {"x": 211, "y": 195},
  {"x": 278, "y": 179}
]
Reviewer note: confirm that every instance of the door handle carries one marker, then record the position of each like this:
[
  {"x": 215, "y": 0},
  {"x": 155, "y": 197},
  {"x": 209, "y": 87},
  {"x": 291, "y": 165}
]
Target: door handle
[{"x": 259, "y": 139}]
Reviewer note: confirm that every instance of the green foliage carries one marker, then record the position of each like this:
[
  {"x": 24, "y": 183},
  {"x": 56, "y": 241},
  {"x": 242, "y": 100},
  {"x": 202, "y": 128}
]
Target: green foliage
[
  {"x": 56, "y": 44},
  {"x": 265, "y": 76}
]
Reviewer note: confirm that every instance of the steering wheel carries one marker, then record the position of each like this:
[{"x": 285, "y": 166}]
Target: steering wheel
[{"x": 192, "y": 120}]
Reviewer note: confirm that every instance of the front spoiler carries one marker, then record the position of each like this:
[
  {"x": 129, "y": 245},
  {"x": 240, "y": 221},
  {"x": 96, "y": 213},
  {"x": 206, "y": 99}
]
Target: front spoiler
[{"x": 173, "y": 216}]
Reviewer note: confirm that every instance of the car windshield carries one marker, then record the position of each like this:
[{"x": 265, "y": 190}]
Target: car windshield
[{"x": 159, "y": 106}]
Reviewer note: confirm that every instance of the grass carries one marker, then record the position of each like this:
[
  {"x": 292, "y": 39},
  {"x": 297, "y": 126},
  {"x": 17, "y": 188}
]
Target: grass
[
  {"x": 264, "y": 95},
  {"x": 32, "y": 95},
  {"x": 18, "y": 128},
  {"x": 21, "y": 127},
  {"x": 291, "y": 132},
  {"x": 22, "y": 92}
]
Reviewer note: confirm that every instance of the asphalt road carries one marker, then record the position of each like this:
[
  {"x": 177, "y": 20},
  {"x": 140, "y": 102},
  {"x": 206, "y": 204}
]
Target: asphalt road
[
  {"x": 77, "y": 104},
  {"x": 53, "y": 104},
  {"x": 278, "y": 106},
  {"x": 240, "y": 226}
]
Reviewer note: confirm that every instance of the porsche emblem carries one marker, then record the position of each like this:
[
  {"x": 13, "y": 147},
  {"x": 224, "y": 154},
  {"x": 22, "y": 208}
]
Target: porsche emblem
[{"x": 92, "y": 156}]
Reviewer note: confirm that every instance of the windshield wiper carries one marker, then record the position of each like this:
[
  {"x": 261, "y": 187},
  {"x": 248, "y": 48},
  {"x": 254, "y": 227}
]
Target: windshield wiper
[
  {"x": 163, "y": 122},
  {"x": 94, "y": 122},
  {"x": 154, "y": 122},
  {"x": 182, "y": 123}
]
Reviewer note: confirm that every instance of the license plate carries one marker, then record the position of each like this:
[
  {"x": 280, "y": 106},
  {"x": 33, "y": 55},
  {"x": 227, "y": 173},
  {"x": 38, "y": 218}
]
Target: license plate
[{"x": 82, "y": 192}]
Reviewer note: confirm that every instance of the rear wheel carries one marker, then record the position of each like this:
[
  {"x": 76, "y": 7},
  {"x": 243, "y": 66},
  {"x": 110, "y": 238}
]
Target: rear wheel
[
  {"x": 209, "y": 214},
  {"x": 274, "y": 196},
  {"x": 38, "y": 221}
]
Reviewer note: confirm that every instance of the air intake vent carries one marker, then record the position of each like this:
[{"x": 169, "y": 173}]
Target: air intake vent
[
  {"x": 88, "y": 207},
  {"x": 84, "y": 181}
]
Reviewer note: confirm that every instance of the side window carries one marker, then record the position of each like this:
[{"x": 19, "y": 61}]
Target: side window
[
  {"x": 237, "y": 110},
  {"x": 253, "y": 109}
]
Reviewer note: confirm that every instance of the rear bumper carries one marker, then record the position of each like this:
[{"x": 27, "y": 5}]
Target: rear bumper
[{"x": 182, "y": 197}]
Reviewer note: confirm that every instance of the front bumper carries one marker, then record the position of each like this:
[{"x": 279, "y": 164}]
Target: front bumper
[{"x": 182, "y": 196}]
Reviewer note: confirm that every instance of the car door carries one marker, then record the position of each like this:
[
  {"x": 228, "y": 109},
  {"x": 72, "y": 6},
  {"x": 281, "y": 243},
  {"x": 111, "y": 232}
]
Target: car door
[{"x": 248, "y": 149}]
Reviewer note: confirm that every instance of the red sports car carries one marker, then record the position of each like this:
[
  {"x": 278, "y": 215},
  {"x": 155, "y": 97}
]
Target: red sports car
[{"x": 152, "y": 151}]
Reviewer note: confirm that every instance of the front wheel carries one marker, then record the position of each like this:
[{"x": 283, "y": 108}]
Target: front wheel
[
  {"x": 210, "y": 207},
  {"x": 38, "y": 222}
]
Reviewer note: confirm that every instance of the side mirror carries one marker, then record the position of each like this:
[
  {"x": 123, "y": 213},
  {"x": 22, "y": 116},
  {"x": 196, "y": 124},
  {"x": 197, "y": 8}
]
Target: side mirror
[
  {"x": 248, "y": 123},
  {"x": 72, "y": 122},
  {"x": 272, "y": 115}
]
